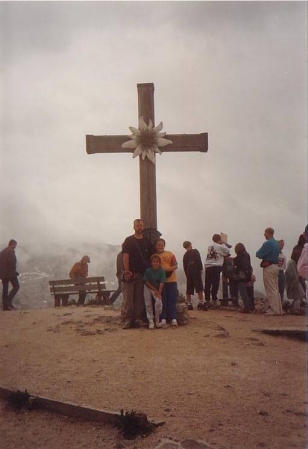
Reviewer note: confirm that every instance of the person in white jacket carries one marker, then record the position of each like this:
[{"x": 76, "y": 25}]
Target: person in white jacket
[
  {"x": 302, "y": 264},
  {"x": 213, "y": 267}
]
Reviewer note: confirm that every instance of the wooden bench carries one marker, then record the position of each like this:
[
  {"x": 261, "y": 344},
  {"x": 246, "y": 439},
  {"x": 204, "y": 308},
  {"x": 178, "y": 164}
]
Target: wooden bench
[{"x": 63, "y": 288}]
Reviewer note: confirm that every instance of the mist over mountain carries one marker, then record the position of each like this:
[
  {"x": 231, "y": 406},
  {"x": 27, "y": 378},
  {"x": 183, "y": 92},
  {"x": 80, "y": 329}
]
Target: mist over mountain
[{"x": 36, "y": 268}]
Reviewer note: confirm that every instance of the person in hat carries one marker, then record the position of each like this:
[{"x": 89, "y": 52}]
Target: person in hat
[{"x": 79, "y": 273}]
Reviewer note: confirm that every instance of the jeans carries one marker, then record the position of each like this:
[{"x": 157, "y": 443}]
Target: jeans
[
  {"x": 242, "y": 289},
  {"x": 169, "y": 295},
  {"x": 211, "y": 282},
  {"x": 251, "y": 294},
  {"x": 7, "y": 297}
]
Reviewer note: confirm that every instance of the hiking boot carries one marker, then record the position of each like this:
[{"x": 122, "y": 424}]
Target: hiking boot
[{"x": 190, "y": 306}]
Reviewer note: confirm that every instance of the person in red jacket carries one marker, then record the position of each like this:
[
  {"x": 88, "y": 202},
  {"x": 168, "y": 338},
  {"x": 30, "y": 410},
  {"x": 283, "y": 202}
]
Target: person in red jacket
[{"x": 79, "y": 273}]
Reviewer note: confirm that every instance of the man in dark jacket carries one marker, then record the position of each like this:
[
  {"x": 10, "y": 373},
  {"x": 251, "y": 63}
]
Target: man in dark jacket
[
  {"x": 8, "y": 274},
  {"x": 136, "y": 251},
  {"x": 193, "y": 267}
]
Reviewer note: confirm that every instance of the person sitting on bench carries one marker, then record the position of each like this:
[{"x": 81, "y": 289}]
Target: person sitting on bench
[{"x": 79, "y": 273}]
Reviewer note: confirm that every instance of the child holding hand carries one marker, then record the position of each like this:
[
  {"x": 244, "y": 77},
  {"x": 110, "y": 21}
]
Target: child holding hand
[{"x": 154, "y": 279}]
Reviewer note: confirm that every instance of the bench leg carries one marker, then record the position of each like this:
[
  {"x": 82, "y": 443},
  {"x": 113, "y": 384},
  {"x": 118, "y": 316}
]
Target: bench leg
[
  {"x": 106, "y": 299},
  {"x": 65, "y": 300},
  {"x": 99, "y": 300}
]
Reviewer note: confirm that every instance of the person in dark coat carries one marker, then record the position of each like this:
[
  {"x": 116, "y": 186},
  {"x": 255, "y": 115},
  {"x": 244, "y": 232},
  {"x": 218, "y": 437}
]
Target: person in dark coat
[
  {"x": 8, "y": 275},
  {"x": 193, "y": 267},
  {"x": 243, "y": 273},
  {"x": 297, "y": 251}
]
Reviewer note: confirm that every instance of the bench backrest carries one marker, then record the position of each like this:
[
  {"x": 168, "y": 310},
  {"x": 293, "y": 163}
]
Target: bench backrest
[{"x": 92, "y": 284}]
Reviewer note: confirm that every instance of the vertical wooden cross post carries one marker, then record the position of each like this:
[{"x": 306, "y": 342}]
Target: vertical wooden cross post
[{"x": 180, "y": 142}]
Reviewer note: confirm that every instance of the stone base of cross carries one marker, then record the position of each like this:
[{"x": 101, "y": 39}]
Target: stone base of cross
[{"x": 180, "y": 142}]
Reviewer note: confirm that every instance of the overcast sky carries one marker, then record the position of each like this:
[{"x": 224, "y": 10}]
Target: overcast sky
[{"x": 237, "y": 70}]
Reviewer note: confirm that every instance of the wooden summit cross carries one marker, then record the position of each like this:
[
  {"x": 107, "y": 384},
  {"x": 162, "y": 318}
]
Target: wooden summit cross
[{"x": 180, "y": 142}]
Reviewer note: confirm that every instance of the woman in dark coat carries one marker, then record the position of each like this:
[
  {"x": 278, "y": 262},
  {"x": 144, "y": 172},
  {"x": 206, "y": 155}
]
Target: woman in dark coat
[
  {"x": 297, "y": 251},
  {"x": 243, "y": 272}
]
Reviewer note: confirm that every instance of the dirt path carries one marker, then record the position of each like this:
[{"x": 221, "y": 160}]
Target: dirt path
[{"x": 215, "y": 379}]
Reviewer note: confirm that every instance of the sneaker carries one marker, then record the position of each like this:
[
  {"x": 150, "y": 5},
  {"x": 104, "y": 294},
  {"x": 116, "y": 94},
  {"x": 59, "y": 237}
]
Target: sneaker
[
  {"x": 163, "y": 323},
  {"x": 269, "y": 312},
  {"x": 244, "y": 310},
  {"x": 11, "y": 307},
  {"x": 174, "y": 323},
  {"x": 215, "y": 304},
  {"x": 190, "y": 306},
  {"x": 202, "y": 306},
  {"x": 151, "y": 324}
]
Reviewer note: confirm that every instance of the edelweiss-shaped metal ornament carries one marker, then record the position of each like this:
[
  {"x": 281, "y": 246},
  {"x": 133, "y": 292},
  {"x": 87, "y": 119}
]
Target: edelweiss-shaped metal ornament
[{"x": 146, "y": 140}]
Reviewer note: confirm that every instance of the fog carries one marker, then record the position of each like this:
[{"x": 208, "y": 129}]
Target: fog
[{"x": 236, "y": 70}]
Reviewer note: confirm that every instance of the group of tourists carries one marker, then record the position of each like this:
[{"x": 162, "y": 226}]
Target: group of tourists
[
  {"x": 147, "y": 276},
  {"x": 150, "y": 292}
]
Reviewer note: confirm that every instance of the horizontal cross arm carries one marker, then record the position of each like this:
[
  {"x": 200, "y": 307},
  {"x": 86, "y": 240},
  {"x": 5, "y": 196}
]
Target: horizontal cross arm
[{"x": 180, "y": 142}]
